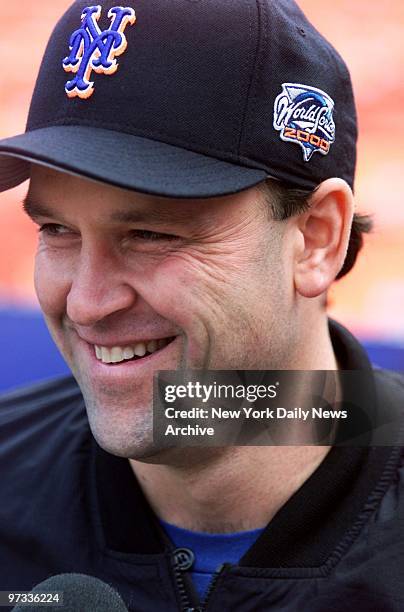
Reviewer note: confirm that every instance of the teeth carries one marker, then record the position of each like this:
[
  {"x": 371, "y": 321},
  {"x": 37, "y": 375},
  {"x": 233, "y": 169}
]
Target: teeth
[
  {"x": 140, "y": 349},
  {"x": 105, "y": 355},
  {"x": 118, "y": 354},
  {"x": 128, "y": 352},
  {"x": 152, "y": 346}
]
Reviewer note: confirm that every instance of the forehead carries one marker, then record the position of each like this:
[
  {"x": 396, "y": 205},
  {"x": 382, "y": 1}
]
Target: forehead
[{"x": 63, "y": 193}]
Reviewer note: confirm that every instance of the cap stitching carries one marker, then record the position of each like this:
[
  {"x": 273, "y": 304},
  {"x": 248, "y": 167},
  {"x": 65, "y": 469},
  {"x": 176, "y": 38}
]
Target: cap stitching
[
  {"x": 261, "y": 46},
  {"x": 247, "y": 101},
  {"x": 348, "y": 166}
]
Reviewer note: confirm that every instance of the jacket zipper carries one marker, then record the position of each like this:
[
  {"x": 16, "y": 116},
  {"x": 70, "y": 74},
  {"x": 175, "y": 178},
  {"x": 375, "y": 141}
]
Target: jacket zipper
[
  {"x": 212, "y": 585},
  {"x": 185, "y": 598}
]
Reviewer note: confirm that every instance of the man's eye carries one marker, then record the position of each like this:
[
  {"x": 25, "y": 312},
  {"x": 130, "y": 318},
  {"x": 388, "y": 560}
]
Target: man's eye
[
  {"x": 53, "y": 229},
  {"x": 151, "y": 236}
]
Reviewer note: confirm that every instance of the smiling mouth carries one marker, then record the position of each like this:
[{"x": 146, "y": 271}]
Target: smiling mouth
[{"x": 134, "y": 352}]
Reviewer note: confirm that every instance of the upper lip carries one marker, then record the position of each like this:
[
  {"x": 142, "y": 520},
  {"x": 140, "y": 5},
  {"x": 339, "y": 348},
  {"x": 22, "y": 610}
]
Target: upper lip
[{"x": 108, "y": 343}]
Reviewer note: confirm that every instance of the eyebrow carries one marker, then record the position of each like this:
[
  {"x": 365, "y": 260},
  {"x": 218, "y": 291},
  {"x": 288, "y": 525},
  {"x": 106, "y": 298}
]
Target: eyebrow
[
  {"x": 157, "y": 217},
  {"x": 35, "y": 210}
]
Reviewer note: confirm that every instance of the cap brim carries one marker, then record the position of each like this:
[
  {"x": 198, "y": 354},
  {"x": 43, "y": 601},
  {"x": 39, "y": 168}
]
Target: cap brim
[{"x": 123, "y": 160}]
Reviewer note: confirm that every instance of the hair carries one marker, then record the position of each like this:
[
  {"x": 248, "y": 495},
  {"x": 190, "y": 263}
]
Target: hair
[{"x": 285, "y": 201}]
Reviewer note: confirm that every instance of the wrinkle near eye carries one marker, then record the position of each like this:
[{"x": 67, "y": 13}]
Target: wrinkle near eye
[{"x": 151, "y": 235}]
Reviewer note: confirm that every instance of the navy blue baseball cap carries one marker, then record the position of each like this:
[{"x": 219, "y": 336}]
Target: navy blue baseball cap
[{"x": 188, "y": 98}]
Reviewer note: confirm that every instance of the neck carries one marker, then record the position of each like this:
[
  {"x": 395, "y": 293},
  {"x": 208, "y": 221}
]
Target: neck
[{"x": 230, "y": 489}]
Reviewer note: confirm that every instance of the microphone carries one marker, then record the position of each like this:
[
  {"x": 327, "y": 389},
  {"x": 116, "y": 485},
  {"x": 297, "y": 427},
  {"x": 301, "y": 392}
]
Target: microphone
[{"x": 80, "y": 592}]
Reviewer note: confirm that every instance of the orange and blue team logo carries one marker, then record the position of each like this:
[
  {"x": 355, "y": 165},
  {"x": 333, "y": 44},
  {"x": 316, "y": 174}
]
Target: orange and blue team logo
[
  {"x": 94, "y": 49},
  {"x": 304, "y": 115}
]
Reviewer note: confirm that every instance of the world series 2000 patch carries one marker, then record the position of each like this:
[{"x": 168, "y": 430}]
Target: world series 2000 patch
[
  {"x": 94, "y": 49},
  {"x": 304, "y": 115}
]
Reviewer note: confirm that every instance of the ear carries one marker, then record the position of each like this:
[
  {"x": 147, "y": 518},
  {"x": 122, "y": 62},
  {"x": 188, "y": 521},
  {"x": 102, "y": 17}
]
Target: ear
[{"x": 324, "y": 237}]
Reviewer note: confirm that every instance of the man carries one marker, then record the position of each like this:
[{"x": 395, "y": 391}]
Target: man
[{"x": 191, "y": 168}]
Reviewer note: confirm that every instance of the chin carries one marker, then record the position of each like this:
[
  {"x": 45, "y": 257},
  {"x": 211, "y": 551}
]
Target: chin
[
  {"x": 125, "y": 431},
  {"x": 122, "y": 445}
]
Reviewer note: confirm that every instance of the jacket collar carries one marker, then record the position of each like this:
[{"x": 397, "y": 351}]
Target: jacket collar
[{"x": 306, "y": 529}]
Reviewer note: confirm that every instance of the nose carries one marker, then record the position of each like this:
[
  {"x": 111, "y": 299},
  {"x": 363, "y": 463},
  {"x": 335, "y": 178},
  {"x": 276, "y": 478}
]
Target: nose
[{"x": 98, "y": 289}]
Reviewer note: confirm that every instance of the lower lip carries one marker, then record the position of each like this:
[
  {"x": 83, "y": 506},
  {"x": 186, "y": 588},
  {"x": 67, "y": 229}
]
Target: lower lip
[{"x": 163, "y": 359}]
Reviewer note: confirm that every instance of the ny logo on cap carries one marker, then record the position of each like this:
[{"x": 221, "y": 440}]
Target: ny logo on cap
[{"x": 93, "y": 49}]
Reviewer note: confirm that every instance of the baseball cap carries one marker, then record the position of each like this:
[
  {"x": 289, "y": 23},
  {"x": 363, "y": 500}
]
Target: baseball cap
[{"x": 188, "y": 98}]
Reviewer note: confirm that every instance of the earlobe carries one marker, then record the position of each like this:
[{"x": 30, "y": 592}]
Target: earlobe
[{"x": 324, "y": 230}]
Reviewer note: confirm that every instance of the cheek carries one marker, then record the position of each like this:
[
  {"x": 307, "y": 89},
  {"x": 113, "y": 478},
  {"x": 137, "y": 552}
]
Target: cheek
[
  {"x": 171, "y": 290},
  {"x": 51, "y": 285},
  {"x": 191, "y": 292}
]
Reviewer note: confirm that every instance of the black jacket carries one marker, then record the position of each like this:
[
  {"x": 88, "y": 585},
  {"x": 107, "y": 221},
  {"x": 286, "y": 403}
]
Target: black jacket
[{"x": 68, "y": 506}]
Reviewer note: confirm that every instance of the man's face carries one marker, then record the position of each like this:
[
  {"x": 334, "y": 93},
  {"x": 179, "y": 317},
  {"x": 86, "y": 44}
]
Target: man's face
[{"x": 194, "y": 283}]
